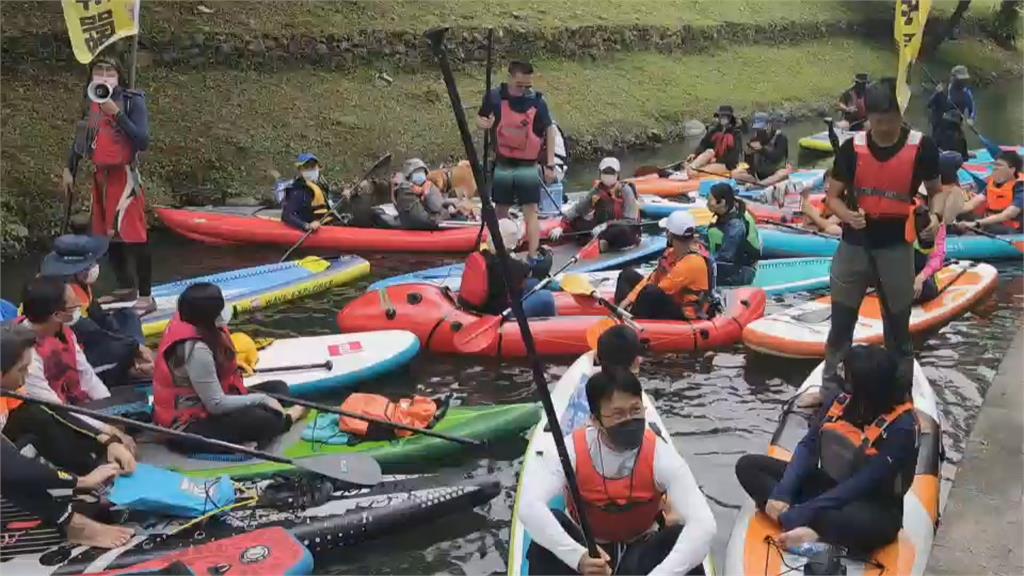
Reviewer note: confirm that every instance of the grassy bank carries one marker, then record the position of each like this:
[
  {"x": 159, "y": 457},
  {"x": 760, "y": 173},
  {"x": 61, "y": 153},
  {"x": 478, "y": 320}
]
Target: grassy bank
[{"x": 223, "y": 131}]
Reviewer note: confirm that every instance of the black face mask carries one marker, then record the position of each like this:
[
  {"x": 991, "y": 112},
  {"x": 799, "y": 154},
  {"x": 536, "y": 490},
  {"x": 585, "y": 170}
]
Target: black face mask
[{"x": 628, "y": 434}]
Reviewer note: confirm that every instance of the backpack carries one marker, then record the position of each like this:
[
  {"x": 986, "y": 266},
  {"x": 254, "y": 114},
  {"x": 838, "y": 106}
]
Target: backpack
[{"x": 474, "y": 289}]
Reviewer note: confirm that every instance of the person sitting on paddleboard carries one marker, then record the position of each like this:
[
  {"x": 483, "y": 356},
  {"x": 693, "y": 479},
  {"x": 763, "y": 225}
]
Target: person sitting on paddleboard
[
  {"x": 1002, "y": 198},
  {"x": 930, "y": 246},
  {"x": 682, "y": 287},
  {"x": 197, "y": 385},
  {"x": 766, "y": 153},
  {"x": 78, "y": 456},
  {"x": 846, "y": 480},
  {"x": 482, "y": 289},
  {"x": 611, "y": 209},
  {"x": 819, "y": 219},
  {"x": 111, "y": 339},
  {"x": 732, "y": 237},
  {"x": 720, "y": 149},
  {"x": 624, "y": 469},
  {"x": 851, "y": 104}
]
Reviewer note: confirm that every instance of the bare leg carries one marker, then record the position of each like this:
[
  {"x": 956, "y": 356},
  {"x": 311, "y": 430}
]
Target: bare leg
[
  {"x": 532, "y": 229},
  {"x": 741, "y": 175},
  {"x": 948, "y": 204},
  {"x": 780, "y": 175},
  {"x": 703, "y": 159}
]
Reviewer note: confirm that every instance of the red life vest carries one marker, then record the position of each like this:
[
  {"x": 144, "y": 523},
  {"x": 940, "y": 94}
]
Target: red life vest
[
  {"x": 623, "y": 509},
  {"x": 515, "y": 137},
  {"x": 60, "y": 364},
  {"x": 112, "y": 146},
  {"x": 612, "y": 196},
  {"x": 862, "y": 109},
  {"x": 723, "y": 142},
  {"x": 1000, "y": 197},
  {"x": 883, "y": 189},
  {"x": 845, "y": 448},
  {"x": 423, "y": 190},
  {"x": 168, "y": 398},
  {"x": 474, "y": 289}
]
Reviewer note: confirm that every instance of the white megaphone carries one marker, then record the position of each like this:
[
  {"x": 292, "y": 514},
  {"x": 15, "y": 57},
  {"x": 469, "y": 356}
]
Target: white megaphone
[{"x": 99, "y": 92}]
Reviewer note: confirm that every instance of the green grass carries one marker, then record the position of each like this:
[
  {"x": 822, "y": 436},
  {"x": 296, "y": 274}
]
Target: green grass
[{"x": 162, "y": 18}]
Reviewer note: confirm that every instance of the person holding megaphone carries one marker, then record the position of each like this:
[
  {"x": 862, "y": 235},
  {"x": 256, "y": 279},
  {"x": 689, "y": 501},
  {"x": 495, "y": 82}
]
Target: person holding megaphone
[{"x": 114, "y": 129}]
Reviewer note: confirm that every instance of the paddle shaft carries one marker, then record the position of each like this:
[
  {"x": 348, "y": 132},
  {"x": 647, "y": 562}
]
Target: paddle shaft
[
  {"x": 334, "y": 209},
  {"x": 985, "y": 141},
  {"x": 798, "y": 229},
  {"x": 979, "y": 230},
  {"x": 487, "y": 94},
  {"x": 490, "y": 218},
  {"x": 325, "y": 365},
  {"x": 547, "y": 280},
  {"x": 642, "y": 223},
  {"x": 109, "y": 418},
  {"x": 335, "y": 410}
]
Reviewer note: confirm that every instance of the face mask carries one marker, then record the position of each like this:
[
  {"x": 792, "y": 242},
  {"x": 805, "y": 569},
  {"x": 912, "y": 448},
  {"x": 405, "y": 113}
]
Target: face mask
[
  {"x": 224, "y": 318},
  {"x": 75, "y": 316},
  {"x": 628, "y": 434},
  {"x": 418, "y": 178},
  {"x": 93, "y": 275},
  {"x": 311, "y": 175},
  {"x": 723, "y": 121},
  {"x": 609, "y": 180}
]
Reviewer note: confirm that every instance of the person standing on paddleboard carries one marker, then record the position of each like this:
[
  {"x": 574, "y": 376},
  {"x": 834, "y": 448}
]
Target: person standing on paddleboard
[
  {"x": 525, "y": 144},
  {"x": 872, "y": 187},
  {"x": 114, "y": 130}
]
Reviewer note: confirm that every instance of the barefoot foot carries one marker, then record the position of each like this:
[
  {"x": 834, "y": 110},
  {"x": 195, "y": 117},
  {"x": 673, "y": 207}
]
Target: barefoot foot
[{"x": 88, "y": 532}]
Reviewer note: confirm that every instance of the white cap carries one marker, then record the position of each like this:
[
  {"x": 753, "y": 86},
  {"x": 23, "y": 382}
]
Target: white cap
[
  {"x": 609, "y": 162},
  {"x": 680, "y": 223},
  {"x": 511, "y": 233}
]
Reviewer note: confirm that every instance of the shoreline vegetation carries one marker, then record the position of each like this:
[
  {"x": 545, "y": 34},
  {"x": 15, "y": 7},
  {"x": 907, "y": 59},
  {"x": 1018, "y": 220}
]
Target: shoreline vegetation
[{"x": 237, "y": 92}]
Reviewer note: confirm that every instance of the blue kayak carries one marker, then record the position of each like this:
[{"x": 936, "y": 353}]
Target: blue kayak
[
  {"x": 785, "y": 243},
  {"x": 812, "y": 179},
  {"x": 451, "y": 275}
]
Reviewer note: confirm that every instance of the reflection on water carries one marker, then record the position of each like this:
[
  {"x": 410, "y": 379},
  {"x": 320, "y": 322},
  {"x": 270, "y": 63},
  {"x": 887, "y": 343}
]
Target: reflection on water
[{"x": 717, "y": 406}]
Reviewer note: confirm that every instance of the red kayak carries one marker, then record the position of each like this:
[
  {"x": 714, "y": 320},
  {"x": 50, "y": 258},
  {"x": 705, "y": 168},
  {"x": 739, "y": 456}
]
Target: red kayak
[
  {"x": 225, "y": 226},
  {"x": 257, "y": 553},
  {"x": 433, "y": 315}
]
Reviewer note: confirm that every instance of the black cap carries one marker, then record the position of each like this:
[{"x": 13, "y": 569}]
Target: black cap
[
  {"x": 861, "y": 78},
  {"x": 725, "y": 110}
]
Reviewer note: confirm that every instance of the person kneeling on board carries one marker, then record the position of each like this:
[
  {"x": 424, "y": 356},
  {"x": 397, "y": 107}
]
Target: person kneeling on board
[
  {"x": 624, "y": 469},
  {"x": 733, "y": 237},
  {"x": 483, "y": 290},
  {"x": 846, "y": 480},
  {"x": 611, "y": 209},
  {"x": 197, "y": 386},
  {"x": 67, "y": 442},
  {"x": 113, "y": 341},
  {"x": 682, "y": 287},
  {"x": 1003, "y": 198}
]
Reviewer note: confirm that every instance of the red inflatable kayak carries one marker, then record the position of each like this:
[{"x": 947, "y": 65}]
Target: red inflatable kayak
[
  {"x": 432, "y": 314},
  {"x": 239, "y": 226},
  {"x": 257, "y": 553}
]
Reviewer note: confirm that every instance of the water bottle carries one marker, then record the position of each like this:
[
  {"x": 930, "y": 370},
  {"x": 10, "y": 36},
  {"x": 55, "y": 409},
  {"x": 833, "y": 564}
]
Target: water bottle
[{"x": 809, "y": 549}]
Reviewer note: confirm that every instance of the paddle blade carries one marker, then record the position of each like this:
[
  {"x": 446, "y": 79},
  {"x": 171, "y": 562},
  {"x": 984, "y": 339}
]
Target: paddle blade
[
  {"x": 591, "y": 251},
  {"x": 478, "y": 336},
  {"x": 1019, "y": 246},
  {"x": 594, "y": 332},
  {"x": 577, "y": 285},
  {"x": 355, "y": 469}
]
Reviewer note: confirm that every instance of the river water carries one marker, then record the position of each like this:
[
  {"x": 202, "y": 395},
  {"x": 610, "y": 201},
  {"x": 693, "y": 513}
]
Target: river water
[{"x": 716, "y": 406}]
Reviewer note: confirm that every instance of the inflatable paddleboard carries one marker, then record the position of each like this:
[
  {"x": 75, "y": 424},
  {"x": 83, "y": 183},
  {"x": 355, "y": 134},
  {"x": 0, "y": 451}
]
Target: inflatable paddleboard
[
  {"x": 779, "y": 242},
  {"x": 570, "y": 401},
  {"x": 353, "y": 358},
  {"x": 801, "y": 331},
  {"x": 819, "y": 141},
  {"x": 750, "y": 550}
]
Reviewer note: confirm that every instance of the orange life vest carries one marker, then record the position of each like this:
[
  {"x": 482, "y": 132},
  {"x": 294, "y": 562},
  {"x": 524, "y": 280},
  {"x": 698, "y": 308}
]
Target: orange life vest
[
  {"x": 999, "y": 197},
  {"x": 176, "y": 406},
  {"x": 83, "y": 294},
  {"x": 475, "y": 286},
  {"x": 417, "y": 411},
  {"x": 623, "y": 509},
  {"x": 60, "y": 364},
  {"x": 845, "y": 448},
  {"x": 883, "y": 189},
  {"x": 516, "y": 139},
  {"x": 696, "y": 304},
  {"x": 111, "y": 146}
]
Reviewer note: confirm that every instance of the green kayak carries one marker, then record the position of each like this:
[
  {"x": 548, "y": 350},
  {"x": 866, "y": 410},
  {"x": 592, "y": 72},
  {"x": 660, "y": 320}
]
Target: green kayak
[{"x": 489, "y": 424}]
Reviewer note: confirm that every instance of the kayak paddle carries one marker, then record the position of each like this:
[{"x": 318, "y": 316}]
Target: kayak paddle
[
  {"x": 1018, "y": 244},
  {"x": 335, "y": 410},
  {"x": 334, "y": 209},
  {"x": 476, "y": 337},
  {"x": 357, "y": 469},
  {"x": 798, "y": 229},
  {"x": 579, "y": 285}
]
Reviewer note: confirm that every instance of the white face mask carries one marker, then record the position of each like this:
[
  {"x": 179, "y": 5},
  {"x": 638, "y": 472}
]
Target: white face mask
[
  {"x": 75, "y": 316},
  {"x": 418, "y": 178},
  {"x": 93, "y": 275},
  {"x": 224, "y": 318},
  {"x": 311, "y": 175},
  {"x": 609, "y": 180}
]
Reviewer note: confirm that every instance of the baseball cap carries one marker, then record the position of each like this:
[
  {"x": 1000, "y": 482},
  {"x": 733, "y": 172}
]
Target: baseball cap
[
  {"x": 960, "y": 72},
  {"x": 609, "y": 162},
  {"x": 760, "y": 120},
  {"x": 680, "y": 223},
  {"x": 306, "y": 157}
]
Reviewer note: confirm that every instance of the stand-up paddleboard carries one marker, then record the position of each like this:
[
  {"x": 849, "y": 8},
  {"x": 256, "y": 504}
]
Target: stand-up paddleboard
[
  {"x": 779, "y": 242},
  {"x": 801, "y": 332},
  {"x": 819, "y": 142},
  {"x": 782, "y": 276},
  {"x": 353, "y": 358},
  {"x": 450, "y": 275},
  {"x": 258, "y": 287},
  {"x": 570, "y": 400},
  {"x": 750, "y": 550}
]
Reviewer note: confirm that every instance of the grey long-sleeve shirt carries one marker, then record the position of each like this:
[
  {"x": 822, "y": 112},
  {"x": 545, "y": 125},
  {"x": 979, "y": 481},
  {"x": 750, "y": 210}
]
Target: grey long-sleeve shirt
[{"x": 202, "y": 373}]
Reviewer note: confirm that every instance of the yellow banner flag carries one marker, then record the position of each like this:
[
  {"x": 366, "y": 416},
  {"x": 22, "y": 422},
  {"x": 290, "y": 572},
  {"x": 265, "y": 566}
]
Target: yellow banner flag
[
  {"x": 95, "y": 24},
  {"x": 909, "y": 30}
]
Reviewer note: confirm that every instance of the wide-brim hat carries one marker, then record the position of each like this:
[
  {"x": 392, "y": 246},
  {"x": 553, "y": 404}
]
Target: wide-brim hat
[
  {"x": 725, "y": 110},
  {"x": 73, "y": 253}
]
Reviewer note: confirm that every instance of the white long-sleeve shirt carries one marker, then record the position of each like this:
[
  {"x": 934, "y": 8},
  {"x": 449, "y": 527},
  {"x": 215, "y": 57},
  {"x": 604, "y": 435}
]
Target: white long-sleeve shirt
[
  {"x": 671, "y": 475},
  {"x": 37, "y": 386}
]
